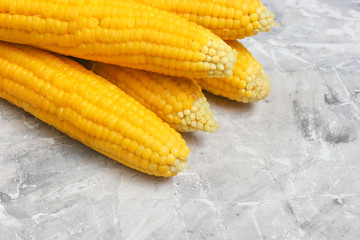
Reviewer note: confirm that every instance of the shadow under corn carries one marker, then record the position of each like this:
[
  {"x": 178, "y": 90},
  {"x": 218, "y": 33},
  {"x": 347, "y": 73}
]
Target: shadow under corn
[{"x": 222, "y": 105}]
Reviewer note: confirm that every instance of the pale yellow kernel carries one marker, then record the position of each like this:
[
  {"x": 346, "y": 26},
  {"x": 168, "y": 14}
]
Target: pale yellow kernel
[
  {"x": 212, "y": 52},
  {"x": 194, "y": 109},
  {"x": 220, "y": 66},
  {"x": 224, "y": 60},
  {"x": 263, "y": 22},
  {"x": 202, "y": 57},
  {"x": 221, "y": 48},
  {"x": 206, "y": 66},
  {"x": 215, "y": 44},
  {"x": 215, "y": 59},
  {"x": 187, "y": 112},
  {"x": 221, "y": 54},
  {"x": 212, "y": 66},
  {"x": 228, "y": 72},
  {"x": 204, "y": 49}
]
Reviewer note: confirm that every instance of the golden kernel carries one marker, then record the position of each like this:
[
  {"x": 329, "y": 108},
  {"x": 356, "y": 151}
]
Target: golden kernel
[
  {"x": 163, "y": 151},
  {"x": 163, "y": 169}
]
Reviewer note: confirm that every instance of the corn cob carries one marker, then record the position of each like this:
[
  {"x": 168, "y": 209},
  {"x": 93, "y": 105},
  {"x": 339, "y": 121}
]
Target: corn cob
[
  {"x": 89, "y": 109},
  {"x": 249, "y": 82},
  {"x": 228, "y": 19},
  {"x": 122, "y": 32},
  {"x": 178, "y": 101}
]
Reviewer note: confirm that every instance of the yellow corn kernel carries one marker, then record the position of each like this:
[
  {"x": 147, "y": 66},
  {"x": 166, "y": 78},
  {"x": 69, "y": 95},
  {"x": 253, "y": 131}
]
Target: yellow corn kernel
[
  {"x": 171, "y": 98},
  {"x": 88, "y": 108},
  {"x": 230, "y": 20},
  {"x": 123, "y": 32},
  {"x": 249, "y": 82}
]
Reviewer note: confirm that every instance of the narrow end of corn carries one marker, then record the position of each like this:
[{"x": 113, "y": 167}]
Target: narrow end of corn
[
  {"x": 265, "y": 89},
  {"x": 199, "y": 117},
  {"x": 266, "y": 19},
  {"x": 178, "y": 166},
  {"x": 259, "y": 86},
  {"x": 220, "y": 58}
]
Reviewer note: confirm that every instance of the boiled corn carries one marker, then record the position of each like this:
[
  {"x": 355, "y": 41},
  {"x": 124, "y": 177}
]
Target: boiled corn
[
  {"x": 89, "y": 109},
  {"x": 122, "y": 32}
]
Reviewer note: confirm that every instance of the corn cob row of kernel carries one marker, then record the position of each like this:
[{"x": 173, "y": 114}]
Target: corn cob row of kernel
[
  {"x": 178, "y": 101},
  {"x": 228, "y": 19},
  {"x": 123, "y": 32},
  {"x": 89, "y": 109},
  {"x": 249, "y": 82}
]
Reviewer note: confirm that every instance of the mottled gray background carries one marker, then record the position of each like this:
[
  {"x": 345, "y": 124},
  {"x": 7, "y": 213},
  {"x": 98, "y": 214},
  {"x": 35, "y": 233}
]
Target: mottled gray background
[{"x": 284, "y": 168}]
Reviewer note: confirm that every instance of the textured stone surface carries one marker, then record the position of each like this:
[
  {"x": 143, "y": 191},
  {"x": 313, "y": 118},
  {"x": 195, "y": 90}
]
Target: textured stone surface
[{"x": 284, "y": 168}]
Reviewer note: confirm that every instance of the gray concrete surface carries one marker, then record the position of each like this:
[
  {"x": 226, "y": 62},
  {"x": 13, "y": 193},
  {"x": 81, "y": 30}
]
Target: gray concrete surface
[{"x": 284, "y": 168}]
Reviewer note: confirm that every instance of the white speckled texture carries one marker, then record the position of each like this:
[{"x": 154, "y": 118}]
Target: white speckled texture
[{"x": 284, "y": 168}]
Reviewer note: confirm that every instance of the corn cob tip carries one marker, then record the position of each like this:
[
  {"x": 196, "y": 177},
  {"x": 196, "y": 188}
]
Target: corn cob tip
[
  {"x": 88, "y": 108},
  {"x": 265, "y": 89},
  {"x": 258, "y": 87},
  {"x": 199, "y": 117},
  {"x": 178, "y": 166},
  {"x": 220, "y": 58},
  {"x": 266, "y": 20}
]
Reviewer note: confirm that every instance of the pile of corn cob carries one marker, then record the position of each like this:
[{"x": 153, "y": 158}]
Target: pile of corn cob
[{"x": 141, "y": 66}]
